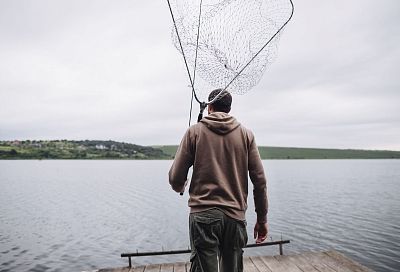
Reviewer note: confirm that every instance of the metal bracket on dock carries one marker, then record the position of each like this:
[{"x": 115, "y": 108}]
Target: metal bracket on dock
[{"x": 184, "y": 251}]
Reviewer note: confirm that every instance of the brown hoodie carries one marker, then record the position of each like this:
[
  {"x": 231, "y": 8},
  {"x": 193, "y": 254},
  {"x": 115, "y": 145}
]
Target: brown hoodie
[{"x": 223, "y": 153}]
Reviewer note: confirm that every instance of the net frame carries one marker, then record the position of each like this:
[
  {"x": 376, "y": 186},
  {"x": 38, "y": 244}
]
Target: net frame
[{"x": 200, "y": 37}]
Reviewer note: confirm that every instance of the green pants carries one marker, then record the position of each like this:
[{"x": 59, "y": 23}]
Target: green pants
[{"x": 217, "y": 242}]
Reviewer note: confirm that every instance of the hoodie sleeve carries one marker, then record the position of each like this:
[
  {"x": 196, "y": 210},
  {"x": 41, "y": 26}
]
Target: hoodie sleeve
[
  {"x": 257, "y": 176},
  {"x": 183, "y": 161}
]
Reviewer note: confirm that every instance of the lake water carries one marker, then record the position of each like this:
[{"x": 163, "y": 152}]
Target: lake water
[{"x": 81, "y": 215}]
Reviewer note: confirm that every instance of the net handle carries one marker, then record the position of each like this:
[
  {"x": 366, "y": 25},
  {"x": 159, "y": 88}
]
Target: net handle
[{"x": 183, "y": 53}]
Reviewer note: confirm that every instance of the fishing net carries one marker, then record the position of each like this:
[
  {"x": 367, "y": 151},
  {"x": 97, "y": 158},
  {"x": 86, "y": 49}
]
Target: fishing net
[{"x": 228, "y": 36}]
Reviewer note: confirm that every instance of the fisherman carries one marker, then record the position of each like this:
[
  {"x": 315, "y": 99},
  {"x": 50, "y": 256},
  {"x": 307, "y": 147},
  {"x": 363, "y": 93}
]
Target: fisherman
[{"x": 223, "y": 154}]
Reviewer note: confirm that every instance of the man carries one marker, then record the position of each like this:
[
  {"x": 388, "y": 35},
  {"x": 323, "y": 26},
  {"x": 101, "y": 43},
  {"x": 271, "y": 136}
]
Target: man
[{"x": 223, "y": 153}]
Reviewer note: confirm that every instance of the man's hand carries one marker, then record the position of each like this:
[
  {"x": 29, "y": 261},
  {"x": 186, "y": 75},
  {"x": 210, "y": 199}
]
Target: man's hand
[
  {"x": 180, "y": 189},
  {"x": 260, "y": 232}
]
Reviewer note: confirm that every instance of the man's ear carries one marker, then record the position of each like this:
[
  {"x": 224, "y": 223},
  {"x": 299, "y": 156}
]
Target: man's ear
[{"x": 210, "y": 108}]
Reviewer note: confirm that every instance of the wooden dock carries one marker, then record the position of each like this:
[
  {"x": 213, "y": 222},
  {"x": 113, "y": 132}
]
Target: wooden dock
[{"x": 329, "y": 261}]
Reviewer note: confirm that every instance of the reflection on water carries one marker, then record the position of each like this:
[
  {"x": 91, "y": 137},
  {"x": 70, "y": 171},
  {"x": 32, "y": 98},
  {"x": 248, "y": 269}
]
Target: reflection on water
[{"x": 80, "y": 215}]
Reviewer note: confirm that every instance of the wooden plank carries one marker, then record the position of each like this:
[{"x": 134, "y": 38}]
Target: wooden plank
[
  {"x": 153, "y": 268},
  {"x": 316, "y": 262},
  {"x": 261, "y": 266},
  {"x": 167, "y": 268},
  {"x": 248, "y": 265},
  {"x": 289, "y": 266},
  {"x": 343, "y": 260},
  {"x": 301, "y": 263},
  {"x": 273, "y": 264},
  {"x": 332, "y": 262},
  {"x": 137, "y": 269},
  {"x": 180, "y": 267}
]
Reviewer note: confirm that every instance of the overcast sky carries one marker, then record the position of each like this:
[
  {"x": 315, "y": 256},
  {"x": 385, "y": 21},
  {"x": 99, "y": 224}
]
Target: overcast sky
[{"x": 78, "y": 69}]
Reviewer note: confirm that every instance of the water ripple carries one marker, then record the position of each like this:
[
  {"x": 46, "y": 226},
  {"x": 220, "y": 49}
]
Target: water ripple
[{"x": 80, "y": 215}]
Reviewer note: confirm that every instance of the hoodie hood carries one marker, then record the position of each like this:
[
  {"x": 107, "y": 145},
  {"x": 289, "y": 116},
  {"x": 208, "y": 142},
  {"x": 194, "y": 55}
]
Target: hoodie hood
[{"x": 220, "y": 122}]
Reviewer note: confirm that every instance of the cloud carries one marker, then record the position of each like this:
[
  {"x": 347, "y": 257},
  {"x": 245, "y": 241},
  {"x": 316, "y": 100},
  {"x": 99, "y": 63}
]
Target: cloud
[{"x": 108, "y": 70}]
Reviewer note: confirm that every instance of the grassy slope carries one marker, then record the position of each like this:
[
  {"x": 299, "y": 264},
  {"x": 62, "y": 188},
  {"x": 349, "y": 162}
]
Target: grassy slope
[
  {"x": 269, "y": 152},
  {"x": 63, "y": 149}
]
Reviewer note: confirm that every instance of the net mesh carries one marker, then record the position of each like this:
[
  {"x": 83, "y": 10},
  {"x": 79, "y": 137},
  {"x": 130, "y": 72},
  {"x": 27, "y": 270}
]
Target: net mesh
[{"x": 231, "y": 32}]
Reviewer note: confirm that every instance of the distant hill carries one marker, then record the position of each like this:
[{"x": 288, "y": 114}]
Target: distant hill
[
  {"x": 270, "y": 152},
  {"x": 64, "y": 149},
  {"x": 91, "y": 149}
]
